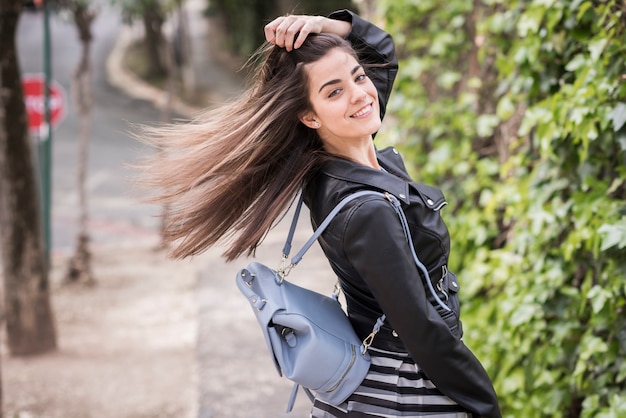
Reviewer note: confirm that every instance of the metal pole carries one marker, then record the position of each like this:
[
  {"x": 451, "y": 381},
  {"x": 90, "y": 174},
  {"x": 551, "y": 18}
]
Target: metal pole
[{"x": 46, "y": 145}]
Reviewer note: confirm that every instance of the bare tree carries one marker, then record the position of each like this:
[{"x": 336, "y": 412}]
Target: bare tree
[
  {"x": 152, "y": 15},
  {"x": 83, "y": 13},
  {"x": 176, "y": 61},
  {"x": 29, "y": 318},
  {"x": 3, "y": 139}
]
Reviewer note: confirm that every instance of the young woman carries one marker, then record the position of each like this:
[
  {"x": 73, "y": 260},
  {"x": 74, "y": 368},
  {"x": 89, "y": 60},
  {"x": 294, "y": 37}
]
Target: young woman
[{"x": 307, "y": 123}]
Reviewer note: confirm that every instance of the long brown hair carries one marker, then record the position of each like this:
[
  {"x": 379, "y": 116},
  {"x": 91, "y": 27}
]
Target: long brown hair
[{"x": 232, "y": 171}]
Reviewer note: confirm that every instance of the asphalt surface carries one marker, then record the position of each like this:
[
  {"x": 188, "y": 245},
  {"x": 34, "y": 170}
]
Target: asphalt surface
[{"x": 236, "y": 377}]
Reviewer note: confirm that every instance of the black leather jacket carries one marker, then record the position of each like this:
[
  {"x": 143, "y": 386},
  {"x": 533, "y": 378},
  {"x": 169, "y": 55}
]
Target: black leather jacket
[{"x": 367, "y": 249}]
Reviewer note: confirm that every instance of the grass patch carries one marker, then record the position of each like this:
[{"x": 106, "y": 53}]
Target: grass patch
[{"x": 135, "y": 61}]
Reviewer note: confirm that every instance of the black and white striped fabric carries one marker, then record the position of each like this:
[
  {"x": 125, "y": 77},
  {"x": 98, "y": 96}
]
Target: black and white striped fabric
[{"x": 394, "y": 387}]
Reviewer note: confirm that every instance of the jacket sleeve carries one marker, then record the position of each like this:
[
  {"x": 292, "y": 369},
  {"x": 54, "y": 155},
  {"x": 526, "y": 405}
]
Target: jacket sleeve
[
  {"x": 376, "y": 52},
  {"x": 375, "y": 245}
]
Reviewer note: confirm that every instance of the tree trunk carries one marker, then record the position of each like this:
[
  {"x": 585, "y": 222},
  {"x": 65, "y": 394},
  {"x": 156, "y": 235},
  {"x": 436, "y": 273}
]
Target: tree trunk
[
  {"x": 173, "y": 76},
  {"x": 153, "y": 25},
  {"x": 182, "y": 52},
  {"x": 3, "y": 140},
  {"x": 30, "y": 323},
  {"x": 79, "y": 269}
]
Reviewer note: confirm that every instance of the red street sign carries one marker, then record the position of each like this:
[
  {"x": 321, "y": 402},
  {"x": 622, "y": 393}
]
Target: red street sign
[{"x": 34, "y": 97}]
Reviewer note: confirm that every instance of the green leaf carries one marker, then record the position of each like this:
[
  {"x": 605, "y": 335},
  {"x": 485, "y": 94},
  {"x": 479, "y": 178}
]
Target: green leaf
[
  {"x": 613, "y": 235},
  {"x": 597, "y": 47},
  {"x": 505, "y": 108},
  {"x": 577, "y": 62},
  {"x": 448, "y": 79},
  {"x": 485, "y": 125},
  {"x": 621, "y": 140},
  {"x": 618, "y": 116},
  {"x": 530, "y": 22},
  {"x": 592, "y": 346},
  {"x": 598, "y": 297},
  {"x": 580, "y": 10},
  {"x": 523, "y": 314}
]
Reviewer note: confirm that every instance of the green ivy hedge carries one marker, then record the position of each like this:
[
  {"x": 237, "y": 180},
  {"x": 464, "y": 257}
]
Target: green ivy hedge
[{"x": 517, "y": 110}]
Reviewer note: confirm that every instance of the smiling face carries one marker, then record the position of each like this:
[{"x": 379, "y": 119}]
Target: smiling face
[{"x": 344, "y": 101}]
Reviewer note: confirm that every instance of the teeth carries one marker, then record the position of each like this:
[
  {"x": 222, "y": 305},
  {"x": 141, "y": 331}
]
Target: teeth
[{"x": 363, "y": 111}]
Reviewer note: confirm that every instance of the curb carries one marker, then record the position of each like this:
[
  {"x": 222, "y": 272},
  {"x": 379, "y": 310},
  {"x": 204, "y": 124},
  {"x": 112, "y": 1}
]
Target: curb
[{"x": 122, "y": 78}]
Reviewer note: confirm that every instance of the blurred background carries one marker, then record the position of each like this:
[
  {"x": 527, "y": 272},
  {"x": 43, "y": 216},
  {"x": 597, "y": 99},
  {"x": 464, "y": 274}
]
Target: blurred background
[{"x": 515, "y": 108}]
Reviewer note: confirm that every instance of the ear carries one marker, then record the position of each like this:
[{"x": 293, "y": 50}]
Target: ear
[{"x": 310, "y": 120}]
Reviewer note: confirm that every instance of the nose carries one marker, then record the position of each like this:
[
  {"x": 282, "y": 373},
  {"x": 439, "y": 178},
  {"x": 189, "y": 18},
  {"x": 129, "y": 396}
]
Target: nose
[{"x": 358, "y": 94}]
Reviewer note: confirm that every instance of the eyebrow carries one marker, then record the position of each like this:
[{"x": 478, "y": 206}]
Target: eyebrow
[{"x": 331, "y": 82}]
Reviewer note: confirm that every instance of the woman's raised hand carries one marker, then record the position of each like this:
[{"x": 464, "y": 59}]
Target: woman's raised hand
[{"x": 290, "y": 31}]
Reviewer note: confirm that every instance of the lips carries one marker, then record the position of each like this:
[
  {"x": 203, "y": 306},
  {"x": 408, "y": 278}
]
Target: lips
[{"x": 363, "y": 111}]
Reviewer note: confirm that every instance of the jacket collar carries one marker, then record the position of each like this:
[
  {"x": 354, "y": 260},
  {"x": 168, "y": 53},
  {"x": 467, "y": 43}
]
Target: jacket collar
[{"x": 394, "y": 181}]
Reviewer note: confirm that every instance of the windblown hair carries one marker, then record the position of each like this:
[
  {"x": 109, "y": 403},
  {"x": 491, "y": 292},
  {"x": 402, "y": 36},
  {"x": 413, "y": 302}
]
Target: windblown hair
[{"x": 232, "y": 171}]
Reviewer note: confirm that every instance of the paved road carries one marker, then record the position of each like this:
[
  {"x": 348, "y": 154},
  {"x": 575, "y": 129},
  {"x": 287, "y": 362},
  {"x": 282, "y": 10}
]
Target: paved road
[
  {"x": 236, "y": 378},
  {"x": 114, "y": 212}
]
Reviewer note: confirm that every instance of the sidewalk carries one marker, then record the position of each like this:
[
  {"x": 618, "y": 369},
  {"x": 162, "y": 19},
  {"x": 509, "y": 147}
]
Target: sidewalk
[
  {"x": 125, "y": 346},
  {"x": 237, "y": 378},
  {"x": 157, "y": 337}
]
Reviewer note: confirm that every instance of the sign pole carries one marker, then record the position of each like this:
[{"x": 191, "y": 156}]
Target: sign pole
[{"x": 46, "y": 138}]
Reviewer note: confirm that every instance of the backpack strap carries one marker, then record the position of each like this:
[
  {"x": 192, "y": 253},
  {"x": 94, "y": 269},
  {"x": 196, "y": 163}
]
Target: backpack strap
[
  {"x": 395, "y": 203},
  {"x": 285, "y": 269},
  {"x": 322, "y": 227}
]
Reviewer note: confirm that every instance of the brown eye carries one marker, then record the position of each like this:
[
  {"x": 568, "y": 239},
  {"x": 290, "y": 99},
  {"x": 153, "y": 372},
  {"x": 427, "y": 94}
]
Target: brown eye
[{"x": 334, "y": 93}]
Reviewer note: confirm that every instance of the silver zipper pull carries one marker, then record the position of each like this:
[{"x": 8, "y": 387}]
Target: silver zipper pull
[{"x": 440, "y": 287}]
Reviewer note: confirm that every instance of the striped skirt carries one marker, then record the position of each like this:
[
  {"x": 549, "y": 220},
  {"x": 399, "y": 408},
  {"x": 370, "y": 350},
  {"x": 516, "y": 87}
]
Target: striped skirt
[{"x": 394, "y": 387}]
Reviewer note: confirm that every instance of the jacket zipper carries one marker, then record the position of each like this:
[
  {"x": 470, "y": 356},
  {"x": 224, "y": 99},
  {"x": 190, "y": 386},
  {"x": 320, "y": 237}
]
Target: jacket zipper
[
  {"x": 442, "y": 204},
  {"x": 440, "y": 283}
]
